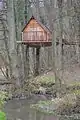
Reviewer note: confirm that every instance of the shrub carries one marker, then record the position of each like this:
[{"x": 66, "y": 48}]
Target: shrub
[
  {"x": 3, "y": 97},
  {"x": 46, "y": 80}
]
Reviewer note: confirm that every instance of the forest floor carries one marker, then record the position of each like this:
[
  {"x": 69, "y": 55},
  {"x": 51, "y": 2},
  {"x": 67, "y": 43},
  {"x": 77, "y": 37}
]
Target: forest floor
[
  {"x": 43, "y": 88},
  {"x": 69, "y": 101},
  {"x": 45, "y": 83},
  {"x": 71, "y": 75}
]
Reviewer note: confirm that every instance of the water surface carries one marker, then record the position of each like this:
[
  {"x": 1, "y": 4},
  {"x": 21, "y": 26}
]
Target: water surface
[{"x": 20, "y": 110}]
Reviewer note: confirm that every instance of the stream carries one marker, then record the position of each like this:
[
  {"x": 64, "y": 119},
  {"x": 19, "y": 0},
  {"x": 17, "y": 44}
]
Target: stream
[{"x": 20, "y": 110}]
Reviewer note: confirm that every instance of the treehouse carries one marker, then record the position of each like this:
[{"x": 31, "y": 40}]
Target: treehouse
[{"x": 36, "y": 34}]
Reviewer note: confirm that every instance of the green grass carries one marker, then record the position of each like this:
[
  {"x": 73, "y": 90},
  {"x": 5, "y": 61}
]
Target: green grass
[
  {"x": 2, "y": 116},
  {"x": 3, "y": 96}
]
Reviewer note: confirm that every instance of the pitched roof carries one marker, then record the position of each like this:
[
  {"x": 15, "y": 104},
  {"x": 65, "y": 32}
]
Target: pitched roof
[{"x": 44, "y": 27}]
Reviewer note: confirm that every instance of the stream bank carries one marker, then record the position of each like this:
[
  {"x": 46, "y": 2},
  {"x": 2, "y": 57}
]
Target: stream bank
[
  {"x": 21, "y": 110},
  {"x": 43, "y": 88}
]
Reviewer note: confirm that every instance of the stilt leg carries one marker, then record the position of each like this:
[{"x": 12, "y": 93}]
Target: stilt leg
[{"x": 37, "y": 61}]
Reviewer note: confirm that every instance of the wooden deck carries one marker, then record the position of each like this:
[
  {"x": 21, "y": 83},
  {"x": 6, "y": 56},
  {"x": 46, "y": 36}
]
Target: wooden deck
[{"x": 35, "y": 44}]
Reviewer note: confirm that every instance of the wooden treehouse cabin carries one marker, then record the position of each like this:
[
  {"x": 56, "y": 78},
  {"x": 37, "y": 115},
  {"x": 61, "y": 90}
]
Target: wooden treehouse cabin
[{"x": 35, "y": 34}]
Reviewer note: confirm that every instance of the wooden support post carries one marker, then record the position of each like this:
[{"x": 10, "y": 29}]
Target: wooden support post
[
  {"x": 37, "y": 61},
  {"x": 27, "y": 61},
  {"x": 34, "y": 59},
  {"x": 19, "y": 67},
  {"x": 7, "y": 72}
]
